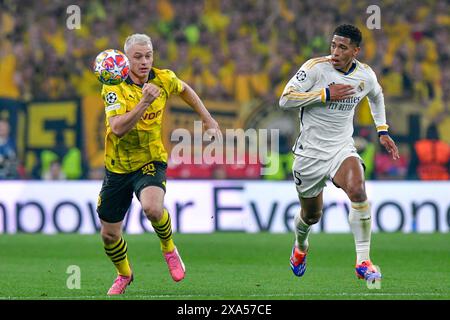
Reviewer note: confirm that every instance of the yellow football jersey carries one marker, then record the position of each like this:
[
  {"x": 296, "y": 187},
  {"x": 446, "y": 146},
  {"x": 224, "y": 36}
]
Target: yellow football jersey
[{"x": 143, "y": 143}]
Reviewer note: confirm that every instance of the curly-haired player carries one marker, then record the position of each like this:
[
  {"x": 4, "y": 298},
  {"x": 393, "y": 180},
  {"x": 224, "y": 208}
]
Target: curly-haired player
[{"x": 327, "y": 90}]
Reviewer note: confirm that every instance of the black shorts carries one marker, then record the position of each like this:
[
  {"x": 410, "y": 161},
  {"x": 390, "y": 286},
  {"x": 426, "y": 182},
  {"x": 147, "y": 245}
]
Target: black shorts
[{"x": 117, "y": 189}]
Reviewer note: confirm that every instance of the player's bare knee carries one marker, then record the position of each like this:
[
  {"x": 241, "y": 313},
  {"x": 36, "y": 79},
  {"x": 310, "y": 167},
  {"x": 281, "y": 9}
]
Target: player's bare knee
[
  {"x": 110, "y": 237},
  {"x": 357, "y": 193},
  {"x": 312, "y": 218},
  {"x": 153, "y": 212}
]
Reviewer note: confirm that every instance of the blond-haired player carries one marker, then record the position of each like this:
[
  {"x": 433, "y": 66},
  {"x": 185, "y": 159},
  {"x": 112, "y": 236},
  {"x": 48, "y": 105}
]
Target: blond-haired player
[{"x": 135, "y": 157}]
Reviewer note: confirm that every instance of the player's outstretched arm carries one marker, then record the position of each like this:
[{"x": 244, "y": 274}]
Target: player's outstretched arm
[
  {"x": 193, "y": 100},
  {"x": 387, "y": 142},
  {"x": 378, "y": 110}
]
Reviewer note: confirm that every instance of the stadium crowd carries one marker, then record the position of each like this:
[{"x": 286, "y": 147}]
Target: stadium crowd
[{"x": 242, "y": 51}]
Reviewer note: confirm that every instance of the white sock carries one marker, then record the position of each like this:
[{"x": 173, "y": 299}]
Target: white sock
[
  {"x": 301, "y": 233},
  {"x": 361, "y": 226}
]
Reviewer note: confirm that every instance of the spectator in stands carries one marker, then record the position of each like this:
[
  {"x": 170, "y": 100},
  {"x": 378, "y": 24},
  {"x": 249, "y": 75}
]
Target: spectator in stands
[
  {"x": 54, "y": 172},
  {"x": 196, "y": 167},
  {"x": 234, "y": 50},
  {"x": 8, "y": 155},
  {"x": 366, "y": 149},
  {"x": 96, "y": 173},
  {"x": 264, "y": 30},
  {"x": 248, "y": 168},
  {"x": 432, "y": 157},
  {"x": 283, "y": 160},
  {"x": 69, "y": 159},
  {"x": 386, "y": 169}
]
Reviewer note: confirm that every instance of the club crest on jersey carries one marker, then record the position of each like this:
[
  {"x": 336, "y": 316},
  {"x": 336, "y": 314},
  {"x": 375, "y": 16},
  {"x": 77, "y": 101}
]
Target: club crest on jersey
[
  {"x": 361, "y": 86},
  {"x": 301, "y": 75},
  {"x": 111, "y": 97}
]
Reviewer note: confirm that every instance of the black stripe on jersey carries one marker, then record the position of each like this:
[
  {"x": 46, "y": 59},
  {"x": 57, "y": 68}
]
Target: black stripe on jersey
[
  {"x": 117, "y": 155},
  {"x": 128, "y": 157},
  {"x": 295, "y": 145},
  {"x": 301, "y": 121},
  {"x": 138, "y": 137}
]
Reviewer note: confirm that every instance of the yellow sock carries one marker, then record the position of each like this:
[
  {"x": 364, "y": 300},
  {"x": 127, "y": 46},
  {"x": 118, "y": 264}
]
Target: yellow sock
[
  {"x": 117, "y": 252},
  {"x": 163, "y": 229}
]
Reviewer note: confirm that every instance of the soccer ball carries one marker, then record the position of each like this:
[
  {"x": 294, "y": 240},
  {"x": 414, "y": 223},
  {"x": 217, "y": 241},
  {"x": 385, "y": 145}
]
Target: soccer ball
[{"x": 111, "y": 67}]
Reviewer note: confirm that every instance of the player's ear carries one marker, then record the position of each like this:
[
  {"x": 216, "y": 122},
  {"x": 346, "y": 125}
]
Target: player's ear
[{"x": 356, "y": 51}]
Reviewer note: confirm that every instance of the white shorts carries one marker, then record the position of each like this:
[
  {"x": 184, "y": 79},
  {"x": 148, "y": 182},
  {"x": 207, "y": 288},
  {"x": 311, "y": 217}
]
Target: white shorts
[{"x": 311, "y": 174}]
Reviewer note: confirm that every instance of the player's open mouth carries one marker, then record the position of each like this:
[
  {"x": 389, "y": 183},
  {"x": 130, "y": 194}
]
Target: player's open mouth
[{"x": 143, "y": 70}]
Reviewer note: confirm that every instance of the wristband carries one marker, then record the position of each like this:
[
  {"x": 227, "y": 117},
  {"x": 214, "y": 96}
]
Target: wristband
[
  {"x": 327, "y": 94},
  {"x": 383, "y": 133}
]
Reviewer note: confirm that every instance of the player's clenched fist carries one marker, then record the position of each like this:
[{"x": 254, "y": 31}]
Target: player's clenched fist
[
  {"x": 150, "y": 92},
  {"x": 340, "y": 91}
]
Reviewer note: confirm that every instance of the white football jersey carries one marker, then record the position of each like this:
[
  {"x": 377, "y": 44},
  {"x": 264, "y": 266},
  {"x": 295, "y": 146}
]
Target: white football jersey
[{"x": 327, "y": 126}]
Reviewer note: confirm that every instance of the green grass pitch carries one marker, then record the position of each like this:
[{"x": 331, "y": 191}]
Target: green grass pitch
[{"x": 226, "y": 266}]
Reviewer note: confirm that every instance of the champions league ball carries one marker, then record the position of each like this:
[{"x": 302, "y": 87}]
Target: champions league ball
[{"x": 111, "y": 67}]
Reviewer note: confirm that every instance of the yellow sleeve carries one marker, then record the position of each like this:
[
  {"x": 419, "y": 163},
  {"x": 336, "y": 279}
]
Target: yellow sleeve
[
  {"x": 175, "y": 86},
  {"x": 114, "y": 101}
]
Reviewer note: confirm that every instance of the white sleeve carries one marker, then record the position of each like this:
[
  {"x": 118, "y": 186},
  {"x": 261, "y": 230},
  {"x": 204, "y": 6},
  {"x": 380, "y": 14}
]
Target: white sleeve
[
  {"x": 297, "y": 92},
  {"x": 376, "y": 103}
]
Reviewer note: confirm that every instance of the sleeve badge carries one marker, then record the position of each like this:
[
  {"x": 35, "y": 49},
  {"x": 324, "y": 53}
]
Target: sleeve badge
[
  {"x": 111, "y": 97},
  {"x": 301, "y": 75}
]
